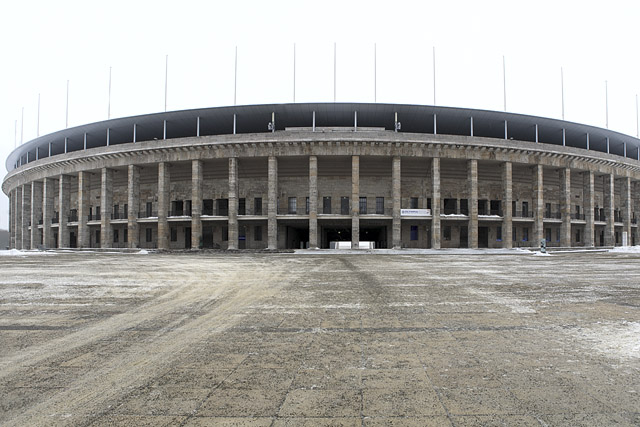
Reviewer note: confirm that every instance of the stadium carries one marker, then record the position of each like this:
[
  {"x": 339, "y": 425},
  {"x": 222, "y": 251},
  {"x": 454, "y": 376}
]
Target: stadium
[{"x": 325, "y": 175}]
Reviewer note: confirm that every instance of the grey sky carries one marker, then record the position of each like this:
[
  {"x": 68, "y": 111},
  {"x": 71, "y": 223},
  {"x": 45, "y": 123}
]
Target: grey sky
[{"x": 47, "y": 43}]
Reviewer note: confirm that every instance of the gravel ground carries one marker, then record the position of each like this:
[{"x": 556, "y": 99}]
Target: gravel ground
[{"x": 436, "y": 338}]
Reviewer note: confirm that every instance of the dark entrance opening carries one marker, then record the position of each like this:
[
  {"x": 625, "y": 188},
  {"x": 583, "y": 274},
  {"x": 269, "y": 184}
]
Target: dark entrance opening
[
  {"x": 335, "y": 235},
  {"x": 73, "y": 241},
  {"x": 297, "y": 238},
  {"x": 602, "y": 238},
  {"x": 242, "y": 237},
  {"x": 55, "y": 240},
  {"x": 483, "y": 237},
  {"x": 207, "y": 237},
  {"x": 464, "y": 236},
  {"x": 375, "y": 234},
  {"x": 187, "y": 237}
]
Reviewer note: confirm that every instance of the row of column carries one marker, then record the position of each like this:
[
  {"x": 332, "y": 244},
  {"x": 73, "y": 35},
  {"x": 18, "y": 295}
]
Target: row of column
[{"x": 35, "y": 200}]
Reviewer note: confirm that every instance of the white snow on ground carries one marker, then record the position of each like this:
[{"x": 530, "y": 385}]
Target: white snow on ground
[
  {"x": 15, "y": 252},
  {"x": 615, "y": 340},
  {"x": 541, "y": 254},
  {"x": 143, "y": 252},
  {"x": 626, "y": 249},
  {"x": 514, "y": 304}
]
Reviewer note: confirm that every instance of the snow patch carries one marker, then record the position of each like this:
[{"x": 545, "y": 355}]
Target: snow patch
[
  {"x": 626, "y": 249},
  {"x": 142, "y": 252},
  {"x": 15, "y": 252},
  {"x": 615, "y": 340}
]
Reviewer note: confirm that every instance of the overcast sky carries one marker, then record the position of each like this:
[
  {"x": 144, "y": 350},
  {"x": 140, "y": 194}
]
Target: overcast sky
[{"x": 46, "y": 43}]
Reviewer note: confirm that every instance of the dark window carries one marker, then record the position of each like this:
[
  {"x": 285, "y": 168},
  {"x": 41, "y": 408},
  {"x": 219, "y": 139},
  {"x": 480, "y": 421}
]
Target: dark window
[
  {"x": 344, "y": 205},
  {"x": 525, "y": 234},
  {"x": 450, "y": 206},
  {"x": 149, "y": 234},
  {"x": 292, "y": 207},
  {"x": 125, "y": 212},
  {"x": 514, "y": 234},
  {"x": 577, "y": 236},
  {"x": 115, "y": 213},
  {"x": 115, "y": 236},
  {"x": 207, "y": 207},
  {"x": 97, "y": 237},
  {"x": 177, "y": 208},
  {"x": 499, "y": 234},
  {"x": 149, "y": 211},
  {"x": 514, "y": 208},
  {"x": 547, "y": 234},
  {"x": 223, "y": 207},
  {"x": 464, "y": 206},
  {"x": 482, "y": 207},
  {"x": 257, "y": 206},
  {"x": 380, "y": 205},
  {"x": 413, "y": 203},
  {"x": 125, "y": 235},
  {"x": 174, "y": 234},
  {"x": 414, "y": 232},
  {"x": 525, "y": 209},
  {"x": 447, "y": 232},
  {"x": 494, "y": 207},
  {"x": 578, "y": 212},
  {"x": 429, "y": 203},
  {"x": 187, "y": 207},
  {"x": 547, "y": 210},
  {"x": 257, "y": 233},
  {"x": 326, "y": 205},
  {"x": 242, "y": 206},
  {"x": 225, "y": 234},
  {"x": 363, "y": 206}
]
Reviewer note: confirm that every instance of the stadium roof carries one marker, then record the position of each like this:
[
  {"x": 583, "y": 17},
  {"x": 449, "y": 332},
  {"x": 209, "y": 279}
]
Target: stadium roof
[{"x": 255, "y": 119}]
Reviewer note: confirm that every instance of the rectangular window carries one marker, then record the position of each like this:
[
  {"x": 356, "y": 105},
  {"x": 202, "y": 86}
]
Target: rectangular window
[
  {"x": 125, "y": 236},
  {"x": 149, "y": 234},
  {"x": 115, "y": 236},
  {"x": 514, "y": 208},
  {"x": 225, "y": 234},
  {"x": 115, "y": 212},
  {"x": 326, "y": 205},
  {"x": 577, "y": 212},
  {"x": 413, "y": 203},
  {"x": 363, "y": 205},
  {"x": 429, "y": 203},
  {"x": 187, "y": 207},
  {"x": 577, "y": 236},
  {"x": 292, "y": 206},
  {"x": 306, "y": 206},
  {"x": 174, "y": 234},
  {"x": 97, "y": 237},
  {"x": 177, "y": 208},
  {"x": 447, "y": 232},
  {"x": 450, "y": 206},
  {"x": 464, "y": 206},
  {"x": 223, "y": 207},
  {"x": 547, "y": 234},
  {"x": 499, "y": 234},
  {"x": 257, "y": 206},
  {"x": 495, "y": 207},
  {"x": 547, "y": 210},
  {"x": 525, "y": 209},
  {"x": 149, "y": 209},
  {"x": 257, "y": 233},
  {"x": 207, "y": 207},
  {"x": 242, "y": 206},
  {"x": 482, "y": 207},
  {"x": 514, "y": 236},
  {"x": 380, "y": 205},
  {"x": 414, "y": 232},
  {"x": 344, "y": 205},
  {"x": 525, "y": 234},
  {"x": 125, "y": 211}
]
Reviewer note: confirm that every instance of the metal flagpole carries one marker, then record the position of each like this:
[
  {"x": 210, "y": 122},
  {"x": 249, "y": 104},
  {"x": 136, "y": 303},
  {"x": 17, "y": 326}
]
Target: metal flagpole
[
  {"x": 66, "y": 123},
  {"x": 294, "y": 73},
  {"x": 334, "y": 72},
  {"x": 562, "y": 89},
  {"x": 235, "y": 78},
  {"x": 166, "y": 80},
  {"x": 38, "y": 122},
  {"x": 504, "y": 82},
  {"x": 109, "y": 106},
  {"x": 434, "y": 75},
  {"x": 375, "y": 73},
  {"x": 606, "y": 100}
]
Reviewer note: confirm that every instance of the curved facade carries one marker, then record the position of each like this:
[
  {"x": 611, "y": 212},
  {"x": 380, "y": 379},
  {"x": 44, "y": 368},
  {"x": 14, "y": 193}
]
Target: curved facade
[{"x": 314, "y": 175}]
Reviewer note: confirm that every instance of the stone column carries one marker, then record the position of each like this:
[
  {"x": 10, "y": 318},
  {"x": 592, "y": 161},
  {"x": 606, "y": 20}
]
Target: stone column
[
  {"x": 313, "y": 202},
  {"x": 84, "y": 195},
  {"x": 472, "y": 178},
  {"x": 355, "y": 202},
  {"x": 106, "y": 207},
  {"x": 36, "y": 213},
  {"x": 12, "y": 198},
  {"x": 626, "y": 207},
  {"x": 435, "y": 203},
  {"x": 164, "y": 184},
  {"x": 609, "y": 205},
  {"x": 63, "y": 210},
  {"x": 18, "y": 218},
  {"x": 133, "y": 203},
  {"x": 507, "y": 214},
  {"x": 272, "y": 210},
  {"x": 565, "y": 207},
  {"x": 538, "y": 204},
  {"x": 48, "y": 188},
  {"x": 26, "y": 217},
  {"x": 396, "y": 236},
  {"x": 196, "y": 204},
  {"x": 233, "y": 203},
  {"x": 589, "y": 206}
]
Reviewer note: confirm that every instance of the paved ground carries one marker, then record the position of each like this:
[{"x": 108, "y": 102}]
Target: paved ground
[{"x": 307, "y": 339}]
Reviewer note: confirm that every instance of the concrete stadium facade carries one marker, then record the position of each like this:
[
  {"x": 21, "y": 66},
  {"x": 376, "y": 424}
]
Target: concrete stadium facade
[{"x": 309, "y": 175}]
